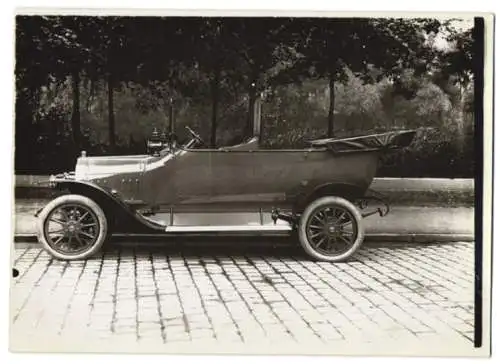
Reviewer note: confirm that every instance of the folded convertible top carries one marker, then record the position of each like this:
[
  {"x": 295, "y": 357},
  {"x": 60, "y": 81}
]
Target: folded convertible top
[{"x": 383, "y": 141}]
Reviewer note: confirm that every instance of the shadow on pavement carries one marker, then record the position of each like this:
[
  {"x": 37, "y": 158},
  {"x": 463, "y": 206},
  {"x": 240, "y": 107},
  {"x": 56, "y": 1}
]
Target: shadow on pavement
[
  {"x": 279, "y": 247},
  {"x": 272, "y": 247}
]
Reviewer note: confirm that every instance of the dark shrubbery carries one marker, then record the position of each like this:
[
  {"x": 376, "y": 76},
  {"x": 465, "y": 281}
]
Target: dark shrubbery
[
  {"x": 431, "y": 156},
  {"x": 291, "y": 115}
]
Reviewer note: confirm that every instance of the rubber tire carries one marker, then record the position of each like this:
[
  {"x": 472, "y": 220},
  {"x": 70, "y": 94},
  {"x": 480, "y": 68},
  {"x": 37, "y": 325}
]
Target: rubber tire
[
  {"x": 330, "y": 200},
  {"x": 69, "y": 199}
]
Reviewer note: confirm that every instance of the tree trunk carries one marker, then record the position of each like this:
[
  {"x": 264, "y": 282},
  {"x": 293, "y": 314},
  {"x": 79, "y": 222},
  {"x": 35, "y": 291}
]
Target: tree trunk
[
  {"x": 111, "y": 113},
  {"x": 171, "y": 127},
  {"x": 215, "y": 104},
  {"x": 461, "y": 119},
  {"x": 252, "y": 97},
  {"x": 331, "y": 109},
  {"x": 75, "y": 115}
]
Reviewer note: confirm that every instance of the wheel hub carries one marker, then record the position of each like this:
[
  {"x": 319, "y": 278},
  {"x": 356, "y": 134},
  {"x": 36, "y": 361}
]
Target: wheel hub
[
  {"x": 72, "y": 227},
  {"x": 332, "y": 230}
]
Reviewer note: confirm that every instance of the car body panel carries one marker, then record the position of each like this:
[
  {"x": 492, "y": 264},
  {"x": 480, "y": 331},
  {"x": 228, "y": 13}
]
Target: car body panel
[
  {"x": 229, "y": 187},
  {"x": 204, "y": 177}
]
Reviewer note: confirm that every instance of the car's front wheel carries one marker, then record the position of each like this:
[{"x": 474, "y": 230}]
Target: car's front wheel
[
  {"x": 330, "y": 229},
  {"x": 72, "y": 227}
]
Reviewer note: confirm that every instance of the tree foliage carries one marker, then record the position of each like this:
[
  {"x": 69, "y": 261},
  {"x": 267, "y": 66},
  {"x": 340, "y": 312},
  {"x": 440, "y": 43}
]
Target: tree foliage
[{"x": 104, "y": 82}]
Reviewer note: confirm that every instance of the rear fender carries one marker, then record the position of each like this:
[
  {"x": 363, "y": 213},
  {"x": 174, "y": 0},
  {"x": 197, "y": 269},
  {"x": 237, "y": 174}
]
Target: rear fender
[
  {"x": 118, "y": 213},
  {"x": 348, "y": 191}
]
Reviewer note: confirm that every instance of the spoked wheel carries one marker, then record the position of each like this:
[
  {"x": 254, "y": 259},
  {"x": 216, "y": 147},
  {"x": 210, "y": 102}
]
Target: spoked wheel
[
  {"x": 330, "y": 229},
  {"x": 72, "y": 227}
]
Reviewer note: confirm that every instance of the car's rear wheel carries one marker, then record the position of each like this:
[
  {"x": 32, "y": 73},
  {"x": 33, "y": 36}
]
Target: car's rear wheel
[
  {"x": 330, "y": 229},
  {"x": 72, "y": 227}
]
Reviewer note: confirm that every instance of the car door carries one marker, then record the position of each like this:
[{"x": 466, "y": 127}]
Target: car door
[{"x": 181, "y": 177}]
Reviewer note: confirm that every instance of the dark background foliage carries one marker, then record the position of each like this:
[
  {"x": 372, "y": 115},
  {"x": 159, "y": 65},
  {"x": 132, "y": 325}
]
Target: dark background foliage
[{"x": 101, "y": 84}]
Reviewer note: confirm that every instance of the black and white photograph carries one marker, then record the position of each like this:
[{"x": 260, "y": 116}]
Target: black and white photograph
[{"x": 252, "y": 183}]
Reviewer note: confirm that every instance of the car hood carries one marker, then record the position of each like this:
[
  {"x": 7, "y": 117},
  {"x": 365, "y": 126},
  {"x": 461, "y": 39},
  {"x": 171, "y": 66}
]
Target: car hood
[{"x": 88, "y": 168}]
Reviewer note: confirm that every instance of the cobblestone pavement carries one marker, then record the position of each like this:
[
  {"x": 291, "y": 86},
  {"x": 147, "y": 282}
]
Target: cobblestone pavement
[{"x": 388, "y": 292}]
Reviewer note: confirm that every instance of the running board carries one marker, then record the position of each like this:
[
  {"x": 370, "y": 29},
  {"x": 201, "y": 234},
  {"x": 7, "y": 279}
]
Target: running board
[{"x": 223, "y": 229}]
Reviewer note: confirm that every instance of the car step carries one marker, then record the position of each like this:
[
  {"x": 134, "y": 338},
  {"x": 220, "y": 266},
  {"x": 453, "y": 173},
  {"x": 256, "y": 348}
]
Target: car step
[{"x": 269, "y": 228}]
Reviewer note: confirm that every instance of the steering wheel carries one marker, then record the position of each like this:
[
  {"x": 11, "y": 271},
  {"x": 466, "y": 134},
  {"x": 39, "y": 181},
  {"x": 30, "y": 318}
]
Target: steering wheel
[{"x": 195, "y": 135}]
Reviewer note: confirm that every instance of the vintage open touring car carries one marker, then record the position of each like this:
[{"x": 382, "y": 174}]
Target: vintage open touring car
[{"x": 317, "y": 193}]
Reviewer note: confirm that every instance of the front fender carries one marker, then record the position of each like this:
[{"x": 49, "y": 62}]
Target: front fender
[{"x": 122, "y": 217}]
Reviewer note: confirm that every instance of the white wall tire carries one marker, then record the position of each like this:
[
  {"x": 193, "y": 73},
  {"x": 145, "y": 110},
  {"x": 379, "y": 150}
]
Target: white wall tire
[
  {"x": 330, "y": 229},
  {"x": 80, "y": 227}
]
